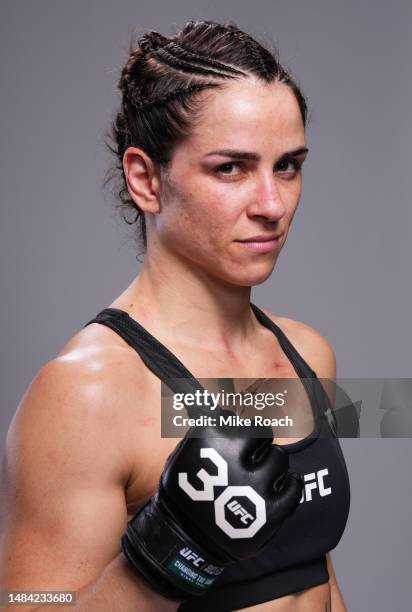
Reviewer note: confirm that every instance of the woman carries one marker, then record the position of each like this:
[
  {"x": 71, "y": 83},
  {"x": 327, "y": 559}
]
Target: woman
[{"x": 210, "y": 141}]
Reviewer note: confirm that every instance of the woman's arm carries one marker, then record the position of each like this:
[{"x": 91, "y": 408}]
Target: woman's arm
[
  {"x": 63, "y": 507},
  {"x": 337, "y": 603}
]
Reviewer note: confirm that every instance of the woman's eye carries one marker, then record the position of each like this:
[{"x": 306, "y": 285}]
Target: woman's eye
[
  {"x": 289, "y": 166},
  {"x": 226, "y": 168}
]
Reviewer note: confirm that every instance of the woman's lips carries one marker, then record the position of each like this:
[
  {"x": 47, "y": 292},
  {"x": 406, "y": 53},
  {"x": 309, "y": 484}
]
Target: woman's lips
[{"x": 261, "y": 244}]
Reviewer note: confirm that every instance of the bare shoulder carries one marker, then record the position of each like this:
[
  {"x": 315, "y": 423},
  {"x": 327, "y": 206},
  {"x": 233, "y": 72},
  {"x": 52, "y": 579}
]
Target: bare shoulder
[
  {"x": 71, "y": 442},
  {"x": 83, "y": 400},
  {"x": 315, "y": 349},
  {"x": 98, "y": 356}
]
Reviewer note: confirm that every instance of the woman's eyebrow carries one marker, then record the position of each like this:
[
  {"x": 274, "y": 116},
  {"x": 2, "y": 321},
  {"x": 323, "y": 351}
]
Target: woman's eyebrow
[{"x": 235, "y": 154}]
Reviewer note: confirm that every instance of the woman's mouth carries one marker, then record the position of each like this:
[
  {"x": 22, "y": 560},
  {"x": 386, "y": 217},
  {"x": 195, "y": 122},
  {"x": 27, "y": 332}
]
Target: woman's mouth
[{"x": 261, "y": 243}]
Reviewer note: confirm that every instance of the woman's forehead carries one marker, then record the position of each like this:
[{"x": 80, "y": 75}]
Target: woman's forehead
[{"x": 250, "y": 109}]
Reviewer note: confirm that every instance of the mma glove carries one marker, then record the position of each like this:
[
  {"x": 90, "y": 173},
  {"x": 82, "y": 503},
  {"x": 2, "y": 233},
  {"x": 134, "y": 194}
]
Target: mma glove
[{"x": 222, "y": 496}]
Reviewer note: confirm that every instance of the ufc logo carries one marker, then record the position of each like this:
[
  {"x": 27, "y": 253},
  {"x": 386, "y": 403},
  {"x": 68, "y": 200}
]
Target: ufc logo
[
  {"x": 239, "y": 510},
  {"x": 313, "y": 481},
  {"x": 225, "y": 499},
  {"x": 189, "y": 555}
]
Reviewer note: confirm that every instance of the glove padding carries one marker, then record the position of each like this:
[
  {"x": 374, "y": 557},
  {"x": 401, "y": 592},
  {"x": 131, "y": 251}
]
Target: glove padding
[{"x": 220, "y": 499}]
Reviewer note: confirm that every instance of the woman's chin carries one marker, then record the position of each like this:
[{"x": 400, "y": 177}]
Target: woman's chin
[
  {"x": 250, "y": 278},
  {"x": 256, "y": 275}
]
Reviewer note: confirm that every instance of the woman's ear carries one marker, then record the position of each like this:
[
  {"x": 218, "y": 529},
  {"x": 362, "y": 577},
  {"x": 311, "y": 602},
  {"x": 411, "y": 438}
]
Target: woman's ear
[{"x": 142, "y": 179}]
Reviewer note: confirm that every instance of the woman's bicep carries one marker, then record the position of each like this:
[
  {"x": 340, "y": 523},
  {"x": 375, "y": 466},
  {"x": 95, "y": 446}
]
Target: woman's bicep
[{"x": 62, "y": 489}]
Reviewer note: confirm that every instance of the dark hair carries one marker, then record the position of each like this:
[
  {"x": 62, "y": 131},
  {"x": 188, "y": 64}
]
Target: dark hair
[{"x": 160, "y": 84}]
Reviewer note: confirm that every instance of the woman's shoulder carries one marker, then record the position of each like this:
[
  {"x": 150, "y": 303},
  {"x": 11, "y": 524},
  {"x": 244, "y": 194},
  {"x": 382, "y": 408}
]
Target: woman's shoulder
[
  {"x": 314, "y": 347},
  {"x": 79, "y": 408},
  {"x": 92, "y": 382},
  {"x": 97, "y": 349}
]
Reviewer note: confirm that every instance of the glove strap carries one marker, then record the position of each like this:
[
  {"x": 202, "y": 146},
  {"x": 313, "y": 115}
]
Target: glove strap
[{"x": 166, "y": 556}]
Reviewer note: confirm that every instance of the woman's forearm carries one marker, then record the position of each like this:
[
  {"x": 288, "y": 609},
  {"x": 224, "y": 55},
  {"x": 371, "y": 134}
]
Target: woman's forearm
[{"x": 337, "y": 603}]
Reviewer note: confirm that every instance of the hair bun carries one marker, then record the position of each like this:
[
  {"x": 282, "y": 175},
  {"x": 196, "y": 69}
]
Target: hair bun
[{"x": 152, "y": 41}]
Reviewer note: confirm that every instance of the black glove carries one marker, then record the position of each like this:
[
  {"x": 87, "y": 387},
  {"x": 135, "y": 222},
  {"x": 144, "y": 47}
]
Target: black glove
[{"x": 219, "y": 500}]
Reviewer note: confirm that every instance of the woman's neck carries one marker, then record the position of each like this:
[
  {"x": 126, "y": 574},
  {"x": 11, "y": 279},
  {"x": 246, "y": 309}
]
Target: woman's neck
[{"x": 191, "y": 305}]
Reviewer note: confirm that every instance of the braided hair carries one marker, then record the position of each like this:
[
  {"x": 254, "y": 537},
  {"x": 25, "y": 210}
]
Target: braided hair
[{"x": 160, "y": 85}]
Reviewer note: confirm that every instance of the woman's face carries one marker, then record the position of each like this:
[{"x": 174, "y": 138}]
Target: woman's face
[{"x": 237, "y": 177}]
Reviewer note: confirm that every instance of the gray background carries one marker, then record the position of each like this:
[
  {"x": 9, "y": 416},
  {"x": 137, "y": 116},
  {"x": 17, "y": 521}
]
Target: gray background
[{"x": 345, "y": 269}]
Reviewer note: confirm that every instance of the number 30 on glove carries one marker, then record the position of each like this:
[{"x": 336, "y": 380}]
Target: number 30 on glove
[{"x": 220, "y": 499}]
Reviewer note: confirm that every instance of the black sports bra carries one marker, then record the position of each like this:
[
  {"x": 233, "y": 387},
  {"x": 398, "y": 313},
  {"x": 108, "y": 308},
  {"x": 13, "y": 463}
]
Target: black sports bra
[{"x": 296, "y": 559}]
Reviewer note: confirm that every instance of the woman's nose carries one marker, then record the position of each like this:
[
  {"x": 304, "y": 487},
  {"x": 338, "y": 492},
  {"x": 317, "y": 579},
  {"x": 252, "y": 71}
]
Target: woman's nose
[{"x": 267, "y": 201}]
